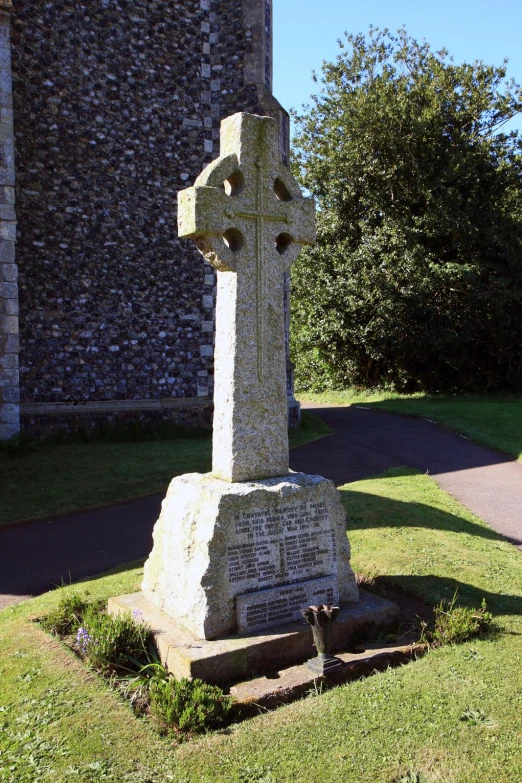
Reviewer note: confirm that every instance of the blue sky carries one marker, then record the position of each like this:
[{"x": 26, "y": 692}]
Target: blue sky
[{"x": 306, "y": 33}]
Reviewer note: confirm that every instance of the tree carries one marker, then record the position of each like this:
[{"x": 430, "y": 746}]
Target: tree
[{"x": 416, "y": 278}]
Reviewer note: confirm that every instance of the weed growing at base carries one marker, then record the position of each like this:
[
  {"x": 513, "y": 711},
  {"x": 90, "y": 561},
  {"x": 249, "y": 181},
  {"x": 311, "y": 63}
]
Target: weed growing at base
[
  {"x": 66, "y": 618},
  {"x": 458, "y": 624},
  {"x": 410, "y": 777},
  {"x": 120, "y": 649},
  {"x": 191, "y": 705},
  {"x": 109, "y": 643}
]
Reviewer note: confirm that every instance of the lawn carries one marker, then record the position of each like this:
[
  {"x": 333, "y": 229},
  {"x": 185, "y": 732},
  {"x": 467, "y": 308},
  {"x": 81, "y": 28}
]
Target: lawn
[
  {"x": 56, "y": 478},
  {"x": 494, "y": 421},
  {"x": 453, "y": 716}
]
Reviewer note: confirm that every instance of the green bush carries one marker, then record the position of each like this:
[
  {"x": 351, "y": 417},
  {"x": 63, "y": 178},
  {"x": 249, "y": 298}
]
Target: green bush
[
  {"x": 457, "y": 624},
  {"x": 110, "y": 643},
  {"x": 415, "y": 282},
  {"x": 68, "y": 615},
  {"x": 188, "y": 705}
]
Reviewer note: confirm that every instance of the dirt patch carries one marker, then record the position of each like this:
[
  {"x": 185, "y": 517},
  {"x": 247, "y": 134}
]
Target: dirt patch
[{"x": 415, "y": 613}]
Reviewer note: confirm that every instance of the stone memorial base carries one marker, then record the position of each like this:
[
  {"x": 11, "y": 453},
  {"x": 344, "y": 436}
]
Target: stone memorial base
[
  {"x": 244, "y": 557},
  {"x": 235, "y": 658},
  {"x": 293, "y": 682}
]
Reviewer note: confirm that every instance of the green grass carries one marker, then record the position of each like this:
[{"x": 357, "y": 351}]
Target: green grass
[
  {"x": 312, "y": 428},
  {"x": 494, "y": 421},
  {"x": 57, "y": 478},
  {"x": 452, "y": 716},
  {"x": 65, "y": 477}
]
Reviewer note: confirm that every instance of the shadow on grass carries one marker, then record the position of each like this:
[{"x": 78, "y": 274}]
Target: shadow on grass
[
  {"x": 119, "y": 569},
  {"x": 433, "y": 589},
  {"x": 371, "y": 512},
  {"x": 366, "y": 511}
]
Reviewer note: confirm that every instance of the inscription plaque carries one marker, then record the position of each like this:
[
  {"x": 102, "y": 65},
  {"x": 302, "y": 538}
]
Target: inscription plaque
[
  {"x": 266, "y": 608},
  {"x": 280, "y": 545}
]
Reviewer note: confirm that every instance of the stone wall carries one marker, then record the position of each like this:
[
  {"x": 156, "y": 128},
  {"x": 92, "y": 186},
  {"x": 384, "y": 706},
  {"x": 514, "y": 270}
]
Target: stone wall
[
  {"x": 117, "y": 106},
  {"x": 43, "y": 420},
  {"x": 9, "y": 343}
]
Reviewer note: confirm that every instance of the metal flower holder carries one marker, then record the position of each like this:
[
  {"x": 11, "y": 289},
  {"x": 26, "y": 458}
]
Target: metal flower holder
[{"x": 320, "y": 618}]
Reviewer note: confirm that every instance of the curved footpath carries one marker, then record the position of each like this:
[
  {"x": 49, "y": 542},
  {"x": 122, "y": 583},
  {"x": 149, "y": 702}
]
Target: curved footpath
[{"x": 37, "y": 556}]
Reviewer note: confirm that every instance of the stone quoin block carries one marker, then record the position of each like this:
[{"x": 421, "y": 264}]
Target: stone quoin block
[
  {"x": 8, "y": 272},
  {"x": 9, "y": 361},
  {"x": 9, "y": 306},
  {"x": 9, "y": 324},
  {"x": 9, "y": 394},
  {"x": 9, "y": 377},
  {"x": 7, "y": 255},
  {"x": 9, "y": 421},
  {"x": 9, "y": 290}
]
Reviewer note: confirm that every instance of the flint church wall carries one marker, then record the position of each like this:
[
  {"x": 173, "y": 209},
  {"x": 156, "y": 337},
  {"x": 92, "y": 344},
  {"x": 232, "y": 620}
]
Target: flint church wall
[{"x": 117, "y": 105}]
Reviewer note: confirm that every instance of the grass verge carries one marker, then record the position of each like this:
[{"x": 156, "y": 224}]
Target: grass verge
[
  {"x": 61, "y": 477},
  {"x": 450, "y": 717},
  {"x": 494, "y": 421}
]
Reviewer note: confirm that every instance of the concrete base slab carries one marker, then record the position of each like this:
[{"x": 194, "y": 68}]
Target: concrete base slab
[
  {"x": 234, "y": 658},
  {"x": 289, "y": 684}
]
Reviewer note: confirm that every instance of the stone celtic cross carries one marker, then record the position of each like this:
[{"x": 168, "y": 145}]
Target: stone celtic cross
[{"x": 249, "y": 219}]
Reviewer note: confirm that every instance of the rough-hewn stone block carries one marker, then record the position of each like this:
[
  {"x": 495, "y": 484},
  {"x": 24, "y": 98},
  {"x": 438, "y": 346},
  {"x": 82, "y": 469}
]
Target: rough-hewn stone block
[
  {"x": 9, "y": 361},
  {"x": 7, "y": 256},
  {"x": 9, "y": 324},
  {"x": 9, "y": 394},
  {"x": 9, "y": 306},
  {"x": 9, "y": 377},
  {"x": 9, "y": 290},
  {"x": 8, "y": 272}
]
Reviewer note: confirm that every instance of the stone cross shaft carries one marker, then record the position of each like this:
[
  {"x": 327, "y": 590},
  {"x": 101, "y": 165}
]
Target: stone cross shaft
[{"x": 249, "y": 219}]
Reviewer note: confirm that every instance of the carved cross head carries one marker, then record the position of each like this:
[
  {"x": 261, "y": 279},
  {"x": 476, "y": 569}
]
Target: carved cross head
[{"x": 246, "y": 206}]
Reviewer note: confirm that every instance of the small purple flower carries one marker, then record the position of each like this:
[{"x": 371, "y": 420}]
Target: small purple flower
[
  {"x": 82, "y": 640},
  {"x": 137, "y": 614}
]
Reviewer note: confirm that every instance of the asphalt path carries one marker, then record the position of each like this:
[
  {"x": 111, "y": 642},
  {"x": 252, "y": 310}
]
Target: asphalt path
[
  {"x": 367, "y": 442},
  {"x": 39, "y": 555}
]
